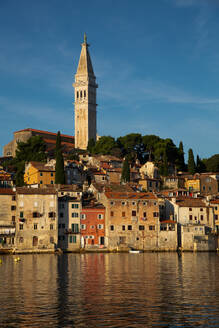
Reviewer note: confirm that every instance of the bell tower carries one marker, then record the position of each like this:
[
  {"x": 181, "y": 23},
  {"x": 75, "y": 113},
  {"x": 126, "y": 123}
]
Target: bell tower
[{"x": 85, "y": 99}]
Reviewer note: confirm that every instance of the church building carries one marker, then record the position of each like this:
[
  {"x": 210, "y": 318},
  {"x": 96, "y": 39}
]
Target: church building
[{"x": 85, "y": 99}]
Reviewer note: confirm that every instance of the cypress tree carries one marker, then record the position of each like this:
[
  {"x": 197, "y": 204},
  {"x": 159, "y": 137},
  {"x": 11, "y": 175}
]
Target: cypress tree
[
  {"x": 125, "y": 171},
  {"x": 191, "y": 162},
  {"x": 181, "y": 160},
  {"x": 60, "y": 172}
]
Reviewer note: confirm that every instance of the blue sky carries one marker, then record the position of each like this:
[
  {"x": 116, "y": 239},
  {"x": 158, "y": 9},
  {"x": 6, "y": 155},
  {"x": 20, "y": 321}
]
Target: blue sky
[{"x": 156, "y": 63}]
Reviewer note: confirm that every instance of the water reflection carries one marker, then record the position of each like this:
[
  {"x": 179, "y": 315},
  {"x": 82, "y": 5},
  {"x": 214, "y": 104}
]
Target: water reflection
[{"x": 110, "y": 290}]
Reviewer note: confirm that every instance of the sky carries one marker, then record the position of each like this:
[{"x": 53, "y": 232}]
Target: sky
[{"x": 156, "y": 64}]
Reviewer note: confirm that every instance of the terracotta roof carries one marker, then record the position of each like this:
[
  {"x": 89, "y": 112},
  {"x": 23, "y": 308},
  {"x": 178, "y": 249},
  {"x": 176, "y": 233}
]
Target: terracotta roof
[
  {"x": 214, "y": 201},
  {"x": 168, "y": 221},
  {"x": 42, "y": 167},
  {"x": 130, "y": 195},
  {"x": 190, "y": 202},
  {"x": 7, "y": 191},
  {"x": 36, "y": 191},
  {"x": 46, "y": 132}
]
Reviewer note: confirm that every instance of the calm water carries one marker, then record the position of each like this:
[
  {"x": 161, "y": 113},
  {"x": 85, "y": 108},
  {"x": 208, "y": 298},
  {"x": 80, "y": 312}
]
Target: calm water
[{"x": 110, "y": 290}]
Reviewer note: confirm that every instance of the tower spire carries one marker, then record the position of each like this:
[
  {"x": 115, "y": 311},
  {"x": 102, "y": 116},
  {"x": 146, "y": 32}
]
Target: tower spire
[{"x": 85, "y": 38}]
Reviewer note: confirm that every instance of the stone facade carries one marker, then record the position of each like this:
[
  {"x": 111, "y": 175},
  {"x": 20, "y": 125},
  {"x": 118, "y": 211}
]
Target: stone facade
[
  {"x": 36, "y": 220},
  {"x": 132, "y": 220},
  {"x": 85, "y": 100}
]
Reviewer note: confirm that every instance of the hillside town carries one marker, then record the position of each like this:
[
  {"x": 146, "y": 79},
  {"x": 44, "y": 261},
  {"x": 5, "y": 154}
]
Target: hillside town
[{"x": 105, "y": 199}]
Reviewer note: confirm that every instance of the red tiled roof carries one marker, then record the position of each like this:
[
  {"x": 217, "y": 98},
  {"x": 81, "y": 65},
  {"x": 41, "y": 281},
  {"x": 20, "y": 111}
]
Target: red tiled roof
[
  {"x": 46, "y": 132},
  {"x": 130, "y": 195},
  {"x": 36, "y": 191},
  {"x": 190, "y": 202},
  {"x": 42, "y": 167},
  {"x": 7, "y": 191}
]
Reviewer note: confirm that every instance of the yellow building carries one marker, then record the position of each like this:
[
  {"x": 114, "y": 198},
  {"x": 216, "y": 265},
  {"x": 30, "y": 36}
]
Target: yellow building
[
  {"x": 192, "y": 183},
  {"x": 39, "y": 173}
]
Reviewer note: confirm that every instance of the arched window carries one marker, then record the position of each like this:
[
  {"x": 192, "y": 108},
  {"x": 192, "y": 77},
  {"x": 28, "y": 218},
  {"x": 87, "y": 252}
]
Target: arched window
[
  {"x": 84, "y": 93},
  {"x": 77, "y": 94},
  {"x": 81, "y": 94}
]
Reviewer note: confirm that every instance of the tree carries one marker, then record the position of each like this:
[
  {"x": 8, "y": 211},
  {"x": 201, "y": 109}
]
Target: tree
[
  {"x": 164, "y": 166},
  {"x": 191, "y": 162},
  {"x": 212, "y": 163},
  {"x": 180, "y": 162},
  {"x": 131, "y": 145},
  {"x": 60, "y": 172},
  {"x": 200, "y": 166},
  {"x": 32, "y": 150},
  {"x": 125, "y": 171},
  {"x": 91, "y": 145},
  {"x": 58, "y": 142},
  {"x": 105, "y": 145}
]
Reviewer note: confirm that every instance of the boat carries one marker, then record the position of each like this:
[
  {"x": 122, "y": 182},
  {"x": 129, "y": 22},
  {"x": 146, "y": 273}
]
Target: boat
[{"x": 135, "y": 251}]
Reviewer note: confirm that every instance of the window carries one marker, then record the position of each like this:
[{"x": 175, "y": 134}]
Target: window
[
  {"x": 52, "y": 215},
  {"x": 111, "y": 213},
  {"x": 203, "y": 187},
  {"x": 100, "y": 216},
  {"x": 41, "y": 182},
  {"x": 51, "y": 182},
  {"x": 190, "y": 217},
  {"x": 81, "y": 94},
  {"x": 144, "y": 214},
  {"x": 141, "y": 227},
  {"x": 133, "y": 203},
  {"x": 111, "y": 203},
  {"x": 151, "y": 227},
  {"x": 129, "y": 227},
  {"x": 73, "y": 239},
  {"x": 35, "y": 215},
  {"x": 83, "y": 226},
  {"x": 155, "y": 214},
  {"x": 83, "y": 216},
  {"x": 77, "y": 94},
  {"x": 13, "y": 208},
  {"x": 51, "y": 174},
  {"x": 100, "y": 226},
  {"x": 84, "y": 93},
  {"x": 144, "y": 203},
  {"x": 13, "y": 197},
  {"x": 201, "y": 209},
  {"x": 51, "y": 226},
  {"x": 21, "y": 214},
  {"x": 74, "y": 215},
  {"x": 92, "y": 226},
  {"x": 155, "y": 203},
  {"x": 123, "y": 203},
  {"x": 41, "y": 174},
  {"x": 123, "y": 227},
  {"x": 21, "y": 226},
  {"x": 123, "y": 214},
  {"x": 35, "y": 226},
  {"x": 190, "y": 209},
  {"x": 75, "y": 228},
  {"x": 133, "y": 213},
  {"x": 216, "y": 217},
  {"x": 201, "y": 217},
  {"x": 74, "y": 205},
  {"x": 112, "y": 227}
]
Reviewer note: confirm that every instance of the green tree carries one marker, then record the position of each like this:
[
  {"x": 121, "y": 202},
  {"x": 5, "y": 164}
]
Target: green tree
[
  {"x": 91, "y": 145},
  {"x": 191, "y": 162},
  {"x": 212, "y": 163},
  {"x": 131, "y": 145},
  {"x": 200, "y": 166},
  {"x": 180, "y": 162},
  {"x": 60, "y": 172},
  {"x": 105, "y": 145},
  {"x": 32, "y": 150},
  {"x": 125, "y": 171},
  {"x": 58, "y": 142}
]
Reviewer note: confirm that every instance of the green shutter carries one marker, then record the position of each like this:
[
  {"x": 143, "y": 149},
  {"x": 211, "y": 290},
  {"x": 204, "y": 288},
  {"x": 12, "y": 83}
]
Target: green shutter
[
  {"x": 70, "y": 239},
  {"x": 74, "y": 239}
]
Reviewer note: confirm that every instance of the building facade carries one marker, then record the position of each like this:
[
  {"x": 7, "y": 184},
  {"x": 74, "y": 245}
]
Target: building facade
[{"x": 85, "y": 99}]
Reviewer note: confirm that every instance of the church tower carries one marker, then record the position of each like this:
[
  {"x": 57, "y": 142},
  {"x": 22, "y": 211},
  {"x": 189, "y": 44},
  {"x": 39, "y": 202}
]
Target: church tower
[{"x": 85, "y": 99}]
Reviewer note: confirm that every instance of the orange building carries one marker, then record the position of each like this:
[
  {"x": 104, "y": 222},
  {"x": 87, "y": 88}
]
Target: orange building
[
  {"x": 93, "y": 225},
  {"x": 39, "y": 173}
]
